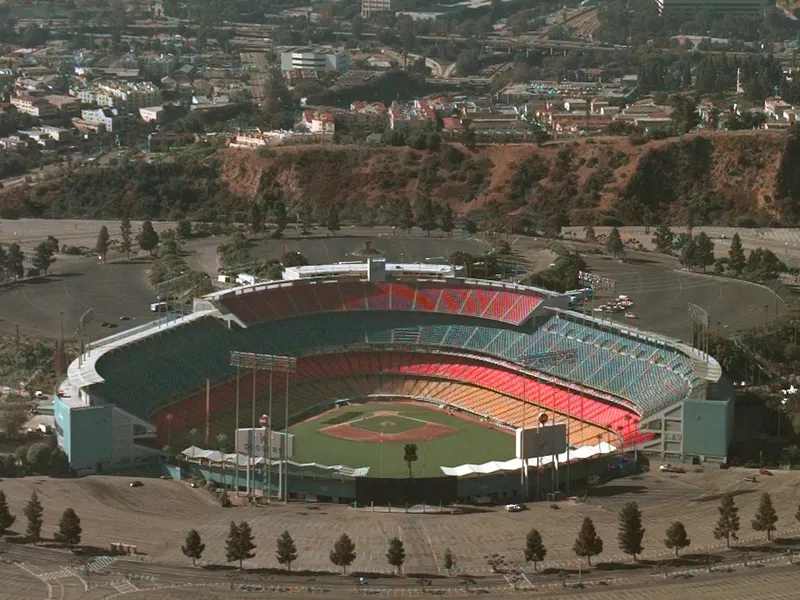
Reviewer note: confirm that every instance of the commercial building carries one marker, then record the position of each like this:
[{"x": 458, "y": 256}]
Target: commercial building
[
  {"x": 36, "y": 107},
  {"x": 315, "y": 59},
  {"x": 723, "y": 7}
]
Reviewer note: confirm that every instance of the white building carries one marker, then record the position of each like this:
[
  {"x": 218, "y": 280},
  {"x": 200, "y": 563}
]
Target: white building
[
  {"x": 151, "y": 114},
  {"x": 315, "y": 59}
]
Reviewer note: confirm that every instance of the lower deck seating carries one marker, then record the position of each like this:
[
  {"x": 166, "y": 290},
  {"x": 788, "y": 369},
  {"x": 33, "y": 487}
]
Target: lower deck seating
[{"x": 474, "y": 386}]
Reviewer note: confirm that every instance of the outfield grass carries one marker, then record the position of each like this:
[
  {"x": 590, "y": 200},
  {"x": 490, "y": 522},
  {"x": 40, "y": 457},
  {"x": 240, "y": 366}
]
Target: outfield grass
[
  {"x": 474, "y": 443},
  {"x": 386, "y": 424}
]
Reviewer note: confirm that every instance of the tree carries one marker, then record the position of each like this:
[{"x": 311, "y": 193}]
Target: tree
[
  {"x": 14, "y": 260},
  {"x": 38, "y": 457},
  {"x": 59, "y": 463},
  {"x": 184, "y": 229},
  {"x": 450, "y": 561},
  {"x": 704, "y": 251},
  {"x": 193, "y": 547},
  {"x": 69, "y": 529},
  {"x": 766, "y": 517},
  {"x": 535, "y": 551},
  {"x": 448, "y": 219},
  {"x": 676, "y": 537},
  {"x": 286, "y": 551},
  {"x": 728, "y": 522},
  {"x": 34, "y": 511},
  {"x": 590, "y": 234},
  {"x": 410, "y": 456},
  {"x": 332, "y": 222},
  {"x": 239, "y": 544},
  {"x": 736, "y": 257},
  {"x": 614, "y": 245},
  {"x": 256, "y": 218},
  {"x": 6, "y": 518},
  {"x": 629, "y": 530},
  {"x": 406, "y": 216},
  {"x": 663, "y": 239},
  {"x": 306, "y": 218},
  {"x": 148, "y": 238},
  {"x": 101, "y": 246},
  {"x": 396, "y": 555},
  {"x": 470, "y": 226},
  {"x": 426, "y": 216},
  {"x": 588, "y": 544},
  {"x": 343, "y": 553},
  {"x": 43, "y": 257},
  {"x": 125, "y": 231},
  {"x": 280, "y": 217}
]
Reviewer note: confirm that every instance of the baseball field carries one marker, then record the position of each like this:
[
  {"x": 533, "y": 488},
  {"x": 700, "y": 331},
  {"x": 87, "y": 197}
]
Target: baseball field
[{"x": 374, "y": 435}]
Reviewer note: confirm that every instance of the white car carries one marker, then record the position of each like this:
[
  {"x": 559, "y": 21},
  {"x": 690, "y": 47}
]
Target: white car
[
  {"x": 513, "y": 508},
  {"x": 630, "y": 315}
]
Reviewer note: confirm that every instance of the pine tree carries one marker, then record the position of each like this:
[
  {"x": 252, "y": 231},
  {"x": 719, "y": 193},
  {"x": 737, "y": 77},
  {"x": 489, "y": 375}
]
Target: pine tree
[
  {"x": 69, "y": 529},
  {"x": 343, "y": 553},
  {"x": 306, "y": 218},
  {"x": 736, "y": 257},
  {"x": 396, "y": 555},
  {"x": 43, "y": 257},
  {"x": 34, "y": 511},
  {"x": 676, "y": 537},
  {"x": 426, "y": 217},
  {"x": 450, "y": 561},
  {"x": 246, "y": 545},
  {"x": 766, "y": 517},
  {"x": 256, "y": 218},
  {"x": 14, "y": 261},
  {"x": 148, "y": 238},
  {"x": 287, "y": 551},
  {"x": 232, "y": 544},
  {"x": 101, "y": 246},
  {"x": 125, "y": 232},
  {"x": 630, "y": 531},
  {"x": 535, "y": 551},
  {"x": 193, "y": 548},
  {"x": 588, "y": 544},
  {"x": 663, "y": 239},
  {"x": 6, "y": 518},
  {"x": 333, "y": 219},
  {"x": 704, "y": 251},
  {"x": 448, "y": 219},
  {"x": 728, "y": 522},
  {"x": 406, "y": 216},
  {"x": 614, "y": 245},
  {"x": 280, "y": 216}
]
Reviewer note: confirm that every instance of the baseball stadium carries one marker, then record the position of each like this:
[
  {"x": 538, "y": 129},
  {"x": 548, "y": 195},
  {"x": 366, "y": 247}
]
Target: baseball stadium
[{"x": 355, "y": 361}]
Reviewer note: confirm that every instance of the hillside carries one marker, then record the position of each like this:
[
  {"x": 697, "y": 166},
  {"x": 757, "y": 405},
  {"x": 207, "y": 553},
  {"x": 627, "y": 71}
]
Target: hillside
[{"x": 704, "y": 179}]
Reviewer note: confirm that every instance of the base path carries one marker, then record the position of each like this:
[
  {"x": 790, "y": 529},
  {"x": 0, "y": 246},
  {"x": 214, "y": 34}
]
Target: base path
[{"x": 429, "y": 431}]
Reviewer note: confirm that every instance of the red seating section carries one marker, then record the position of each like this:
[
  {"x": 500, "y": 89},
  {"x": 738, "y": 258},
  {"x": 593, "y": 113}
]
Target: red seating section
[
  {"x": 191, "y": 411},
  {"x": 308, "y": 297}
]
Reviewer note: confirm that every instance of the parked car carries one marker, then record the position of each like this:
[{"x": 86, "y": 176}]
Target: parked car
[
  {"x": 514, "y": 508},
  {"x": 136, "y": 484}
]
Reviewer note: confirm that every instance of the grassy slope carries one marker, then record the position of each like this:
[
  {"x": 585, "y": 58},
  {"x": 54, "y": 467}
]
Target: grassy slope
[{"x": 473, "y": 444}]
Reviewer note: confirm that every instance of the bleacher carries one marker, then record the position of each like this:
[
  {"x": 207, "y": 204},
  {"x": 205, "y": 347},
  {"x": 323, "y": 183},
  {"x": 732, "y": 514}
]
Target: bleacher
[
  {"x": 286, "y": 300},
  {"x": 309, "y": 394},
  {"x": 164, "y": 368}
]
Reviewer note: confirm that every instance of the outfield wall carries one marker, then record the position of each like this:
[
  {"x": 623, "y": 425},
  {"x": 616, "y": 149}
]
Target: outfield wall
[{"x": 501, "y": 488}]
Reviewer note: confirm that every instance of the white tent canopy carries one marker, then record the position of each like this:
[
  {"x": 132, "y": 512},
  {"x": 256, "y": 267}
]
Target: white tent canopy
[{"x": 515, "y": 464}]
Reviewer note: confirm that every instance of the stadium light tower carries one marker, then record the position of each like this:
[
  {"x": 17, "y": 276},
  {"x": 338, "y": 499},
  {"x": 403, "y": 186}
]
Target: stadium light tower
[{"x": 272, "y": 363}]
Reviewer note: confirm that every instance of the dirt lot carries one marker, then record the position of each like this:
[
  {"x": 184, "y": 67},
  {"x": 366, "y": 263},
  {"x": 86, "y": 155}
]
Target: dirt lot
[{"x": 157, "y": 516}]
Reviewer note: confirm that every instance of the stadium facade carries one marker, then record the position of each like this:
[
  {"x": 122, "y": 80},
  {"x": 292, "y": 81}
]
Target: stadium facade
[{"x": 379, "y": 330}]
